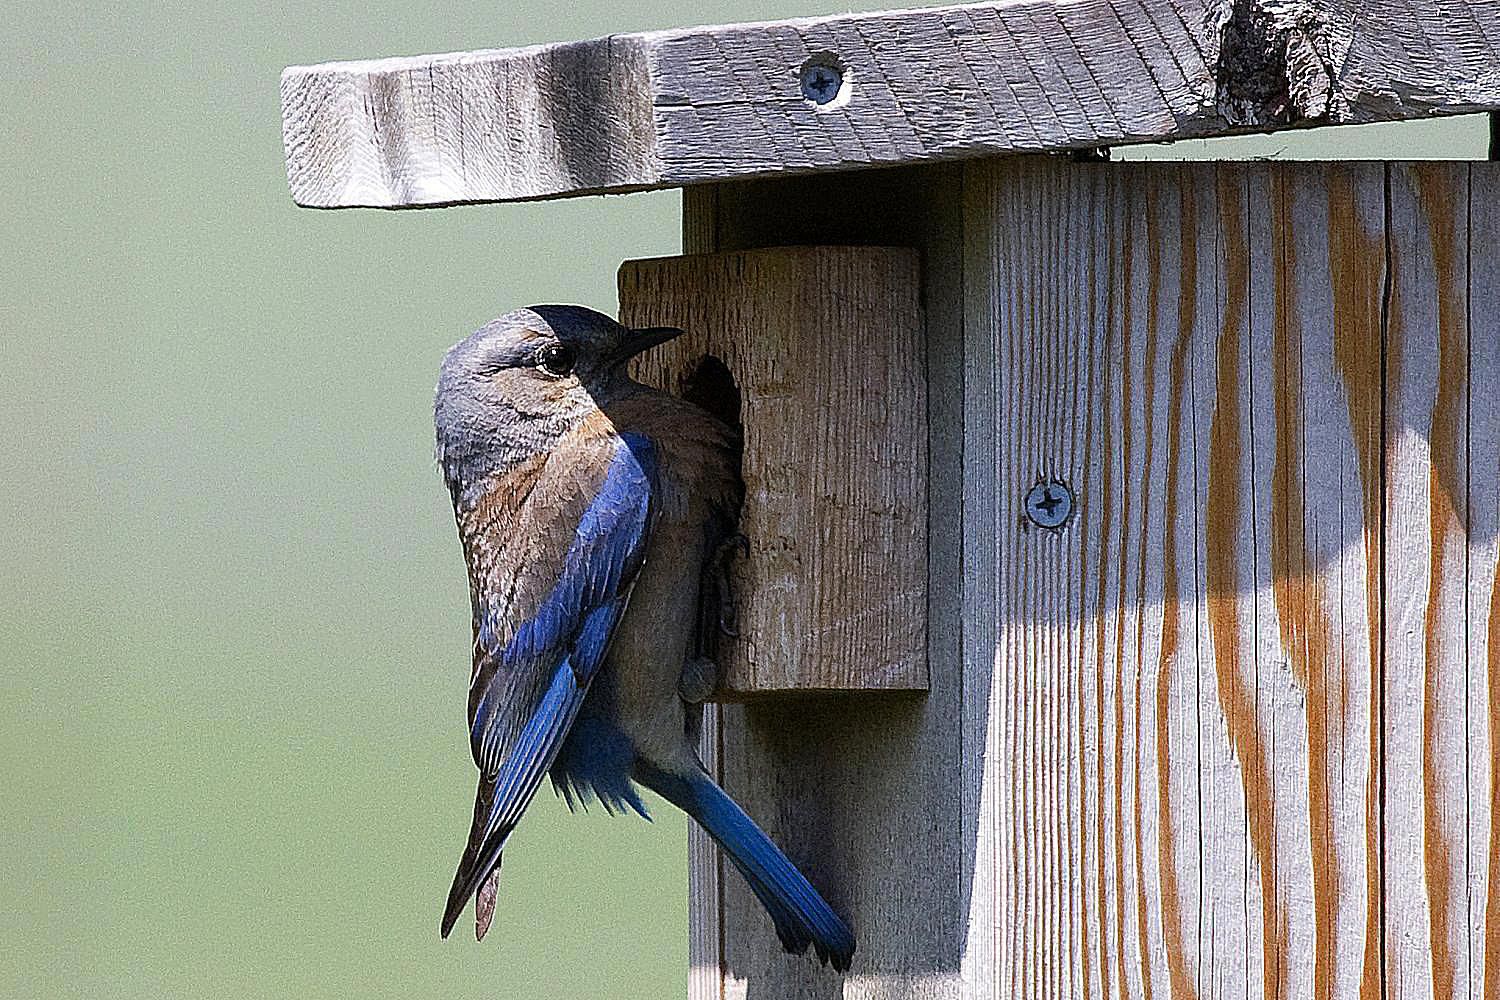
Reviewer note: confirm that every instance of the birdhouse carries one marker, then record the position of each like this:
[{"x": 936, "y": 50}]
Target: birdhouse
[{"x": 1120, "y": 615}]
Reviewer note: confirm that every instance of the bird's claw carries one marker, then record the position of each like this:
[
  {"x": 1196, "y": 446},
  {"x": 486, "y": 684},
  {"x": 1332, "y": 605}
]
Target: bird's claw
[
  {"x": 726, "y": 550},
  {"x": 699, "y": 678}
]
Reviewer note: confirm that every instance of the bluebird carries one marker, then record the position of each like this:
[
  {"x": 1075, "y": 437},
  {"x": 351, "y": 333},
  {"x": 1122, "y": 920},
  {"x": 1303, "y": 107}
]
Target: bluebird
[{"x": 593, "y": 511}]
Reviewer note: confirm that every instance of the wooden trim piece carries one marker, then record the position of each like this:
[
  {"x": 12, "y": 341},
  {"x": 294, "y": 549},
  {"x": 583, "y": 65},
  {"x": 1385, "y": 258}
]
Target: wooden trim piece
[
  {"x": 672, "y": 108},
  {"x": 1483, "y": 578},
  {"x": 1430, "y": 622},
  {"x": 859, "y": 791},
  {"x": 705, "y": 863},
  {"x": 1178, "y": 792},
  {"x": 824, "y": 349}
]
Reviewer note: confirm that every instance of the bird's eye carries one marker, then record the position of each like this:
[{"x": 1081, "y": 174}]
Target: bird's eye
[{"x": 556, "y": 360}]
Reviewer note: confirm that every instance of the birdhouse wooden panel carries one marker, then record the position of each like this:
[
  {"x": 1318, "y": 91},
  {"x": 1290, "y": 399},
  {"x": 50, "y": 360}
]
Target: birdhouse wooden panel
[
  {"x": 816, "y": 354},
  {"x": 1174, "y": 487}
]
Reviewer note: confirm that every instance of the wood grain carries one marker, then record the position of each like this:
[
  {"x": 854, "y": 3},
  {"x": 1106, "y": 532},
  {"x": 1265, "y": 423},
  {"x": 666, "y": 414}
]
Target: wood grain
[
  {"x": 670, "y": 108},
  {"x": 863, "y": 791},
  {"x": 824, "y": 345},
  {"x": 705, "y": 862},
  {"x": 1483, "y": 630},
  {"x": 1437, "y": 758},
  {"x": 1244, "y": 705}
]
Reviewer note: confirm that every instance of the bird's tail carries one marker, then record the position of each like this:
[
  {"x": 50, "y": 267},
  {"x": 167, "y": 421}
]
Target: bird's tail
[
  {"x": 801, "y": 916},
  {"x": 478, "y": 866}
]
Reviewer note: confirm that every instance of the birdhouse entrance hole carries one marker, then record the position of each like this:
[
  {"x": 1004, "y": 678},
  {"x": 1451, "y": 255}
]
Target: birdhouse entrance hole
[{"x": 711, "y": 385}]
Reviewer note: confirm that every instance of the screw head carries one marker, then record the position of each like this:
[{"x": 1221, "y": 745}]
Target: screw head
[
  {"x": 1049, "y": 504},
  {"x": 822, "y": 80}
]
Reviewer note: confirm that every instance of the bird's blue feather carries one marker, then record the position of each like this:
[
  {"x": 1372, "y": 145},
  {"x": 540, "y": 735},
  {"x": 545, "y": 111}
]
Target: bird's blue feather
[
  {"x": 567, "y": 637},
  {"x": 607, "y": 541},
  {"x": 800, "y": 914}
]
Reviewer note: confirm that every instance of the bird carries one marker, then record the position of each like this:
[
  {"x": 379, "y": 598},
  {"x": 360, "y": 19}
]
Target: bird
[{"x": 595, "y": 514}]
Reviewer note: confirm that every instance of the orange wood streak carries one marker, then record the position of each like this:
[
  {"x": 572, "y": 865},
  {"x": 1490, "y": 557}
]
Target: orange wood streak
[
  {"x": 1304, "y": 626},
  {"x": 1436, "y": 195},
  {"x": 1228, "y": 482},
  {"x": 1357, "y": 290},
  {"x": 1436, "y": 848},
  {"x": 1180, "y": 982}
]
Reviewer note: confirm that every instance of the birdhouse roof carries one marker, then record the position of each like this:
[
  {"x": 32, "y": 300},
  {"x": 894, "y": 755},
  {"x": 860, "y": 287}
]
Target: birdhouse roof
[{"x": 672, "y": 108}]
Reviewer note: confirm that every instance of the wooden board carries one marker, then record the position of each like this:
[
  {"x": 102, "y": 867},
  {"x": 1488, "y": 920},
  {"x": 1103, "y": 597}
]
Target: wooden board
[
  {"x": 1232, "y": 732},
  {"x": 862, "y": 792},
  {"x": 1442, "y": 436},
  {"x": 1243, "y": 708},
  {"x": 824, "y": 346},
  {"x": 1483, "y": 592},
  {"x": 670, "y": 108}
]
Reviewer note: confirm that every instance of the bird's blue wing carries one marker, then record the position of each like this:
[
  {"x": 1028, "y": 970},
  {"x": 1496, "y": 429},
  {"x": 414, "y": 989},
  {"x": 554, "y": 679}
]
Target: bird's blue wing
[{"x": 534, "y": 673}]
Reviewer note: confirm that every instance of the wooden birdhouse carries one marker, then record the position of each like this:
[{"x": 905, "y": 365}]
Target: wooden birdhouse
[{"x": 1120, "y": 617}]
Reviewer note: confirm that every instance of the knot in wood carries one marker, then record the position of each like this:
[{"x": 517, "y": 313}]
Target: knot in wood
[{"x": 1270, "y": 71}]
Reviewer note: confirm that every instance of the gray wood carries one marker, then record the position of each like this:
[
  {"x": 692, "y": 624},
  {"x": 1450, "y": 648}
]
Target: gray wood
[
  {"x": 1483, "y": 576},
  {"x": 1242, "y": 712},
  {"x": 863, "y": 791},
  {"x": 671, "y": 108},
  {"x": 705, "y": 861},
  {"x": 824, "y": 345}
]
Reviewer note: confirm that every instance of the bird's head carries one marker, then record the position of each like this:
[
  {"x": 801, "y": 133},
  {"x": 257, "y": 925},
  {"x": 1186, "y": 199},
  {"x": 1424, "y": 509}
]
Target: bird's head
[{"x": 515, "y": 386}]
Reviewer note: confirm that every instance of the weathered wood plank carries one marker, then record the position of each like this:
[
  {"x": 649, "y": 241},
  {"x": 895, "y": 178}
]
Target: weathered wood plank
[
  {"x": 1184, "y": 755},
  {"x": 824, "y": 346},
  {"x": 1316, "y": 274},
  {"x": 862, "y": 792},
  {"x": 671, "y": 108},
  {"x": 705, "y": 864},
  {"x": 1428, "y": 637},
  {"x": 1484, "y": 582}
]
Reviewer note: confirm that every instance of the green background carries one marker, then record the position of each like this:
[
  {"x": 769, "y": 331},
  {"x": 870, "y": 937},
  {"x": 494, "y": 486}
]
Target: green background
[{"x": 233, "y": 618}]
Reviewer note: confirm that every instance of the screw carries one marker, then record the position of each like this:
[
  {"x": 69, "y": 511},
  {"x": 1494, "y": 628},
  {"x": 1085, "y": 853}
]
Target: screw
[
  {"x": 1049, "y": 505},
  {"x": 822, "y": 80}
]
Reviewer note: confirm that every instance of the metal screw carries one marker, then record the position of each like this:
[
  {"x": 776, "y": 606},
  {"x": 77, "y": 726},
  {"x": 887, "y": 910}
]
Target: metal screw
[
  {"x": 822, "y": 80},
  {"x": 1049, "y": 505}
]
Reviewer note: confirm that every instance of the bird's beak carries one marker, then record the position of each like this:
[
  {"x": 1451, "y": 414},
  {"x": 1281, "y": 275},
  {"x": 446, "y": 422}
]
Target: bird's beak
[{"x": 643, "y": 340}]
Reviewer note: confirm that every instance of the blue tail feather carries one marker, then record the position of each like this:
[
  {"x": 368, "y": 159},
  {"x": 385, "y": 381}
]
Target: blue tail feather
[{"x": 800, "y": 914}]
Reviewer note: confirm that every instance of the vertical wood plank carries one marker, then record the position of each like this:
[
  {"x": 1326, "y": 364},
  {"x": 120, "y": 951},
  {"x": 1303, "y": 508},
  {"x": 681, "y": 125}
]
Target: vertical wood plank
[
  {"x": 824, "y": 347},
  {"x": 1484, "y": 585},
  {"x": 1427, "y": 614},
  {"x": 705, "y": 865},
  {"x": 1193, "y": 652},
  {"x": 1325, "y": 670},
  {"x": 979, "y": 725},
  {"x": 868, "y": 794}
]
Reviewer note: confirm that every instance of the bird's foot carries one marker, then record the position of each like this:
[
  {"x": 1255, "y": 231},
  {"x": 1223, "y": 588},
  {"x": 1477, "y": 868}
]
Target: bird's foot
[
  {"x": 699, "y": 678},
  {"x": 736, "y": 543}
]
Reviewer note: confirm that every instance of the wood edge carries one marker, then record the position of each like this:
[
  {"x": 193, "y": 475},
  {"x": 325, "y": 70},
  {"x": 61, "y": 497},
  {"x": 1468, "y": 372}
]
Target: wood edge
[
  {"x": 706, "y": 967},
  {"x": 1349, "y": 91}
]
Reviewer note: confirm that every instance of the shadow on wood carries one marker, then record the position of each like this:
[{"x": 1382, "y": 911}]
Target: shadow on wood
[{"x": 1233, "y": 729}]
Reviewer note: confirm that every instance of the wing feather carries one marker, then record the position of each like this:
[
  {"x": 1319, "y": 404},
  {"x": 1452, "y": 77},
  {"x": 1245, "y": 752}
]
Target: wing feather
[{"x": 536, "y": 663}]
